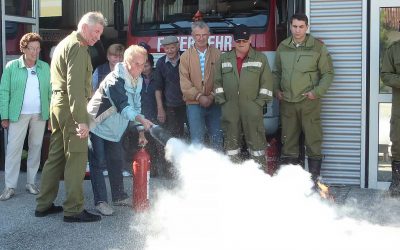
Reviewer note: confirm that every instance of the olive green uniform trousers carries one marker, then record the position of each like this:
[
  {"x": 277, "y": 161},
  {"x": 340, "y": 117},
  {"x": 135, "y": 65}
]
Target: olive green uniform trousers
[
  {"x": 67, "y": 157},
  {"x": 297, "y": 117},
  {"x": 390, "y": 75}
]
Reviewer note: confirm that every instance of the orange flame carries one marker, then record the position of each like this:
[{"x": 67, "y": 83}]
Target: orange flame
[{"x": 323, "y": 191}]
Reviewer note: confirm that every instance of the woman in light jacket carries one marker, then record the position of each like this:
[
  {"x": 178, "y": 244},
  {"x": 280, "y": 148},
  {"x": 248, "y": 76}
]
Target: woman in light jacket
[
  {"x": 25, "y": 94},
  {"x": 119, "y": 91}
]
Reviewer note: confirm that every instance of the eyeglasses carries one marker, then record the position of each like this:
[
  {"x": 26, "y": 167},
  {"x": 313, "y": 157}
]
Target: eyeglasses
[
  {"x": 201, "y": 35},
  {"x": 33, "y": 72},
  {"x": 31, "y": 49},
  {"x": 241, "y": 41}
]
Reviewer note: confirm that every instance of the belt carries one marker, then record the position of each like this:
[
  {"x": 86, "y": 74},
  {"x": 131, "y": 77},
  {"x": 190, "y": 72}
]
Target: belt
[{"x": 59, "y": 92}]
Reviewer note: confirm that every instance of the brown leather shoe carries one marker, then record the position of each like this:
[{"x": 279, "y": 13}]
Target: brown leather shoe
[{"x": 84, "y": 216}]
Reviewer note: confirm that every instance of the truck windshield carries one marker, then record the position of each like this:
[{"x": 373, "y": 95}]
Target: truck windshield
[{"x": 151, "y": 17}]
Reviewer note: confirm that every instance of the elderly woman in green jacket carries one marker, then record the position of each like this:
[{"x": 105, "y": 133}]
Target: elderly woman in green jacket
[{"x": 25, "y": 94}]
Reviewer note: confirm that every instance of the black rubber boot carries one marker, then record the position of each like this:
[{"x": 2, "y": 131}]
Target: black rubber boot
[
  {"x": 394, "y": 188},
  {"x": 314, "y": 167},
  {"x": 288, "y": 161}
]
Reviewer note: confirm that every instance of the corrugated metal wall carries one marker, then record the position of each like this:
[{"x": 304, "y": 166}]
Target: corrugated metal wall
[
  {"x": 104, "y": 6},
  {"x": 338, "y": 24}
]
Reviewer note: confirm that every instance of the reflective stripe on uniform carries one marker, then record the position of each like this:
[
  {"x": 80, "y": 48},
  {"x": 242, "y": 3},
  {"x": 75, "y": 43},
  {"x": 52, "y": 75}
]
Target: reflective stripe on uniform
[
  {"x": 266, "y": 92},
  {"x": 226, "y": 65},
  {"x": 233, "y": 152},
  {"x": 252, "y": 64},
  {"x": 257, "y": 153},
  {"x": 219, "y": 90}
]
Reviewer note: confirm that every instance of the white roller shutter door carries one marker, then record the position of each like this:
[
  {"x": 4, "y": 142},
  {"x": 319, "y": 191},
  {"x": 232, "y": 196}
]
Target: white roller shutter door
[{"x": 339, "y": 24}]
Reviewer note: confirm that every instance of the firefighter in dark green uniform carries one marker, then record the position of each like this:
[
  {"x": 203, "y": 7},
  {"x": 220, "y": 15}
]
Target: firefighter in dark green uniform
[
  {"x": 243, "y": 83},
  {"x": 303, "y": 73},
  {"x": 71, "y": 72},
  {"x": 390, "y": 75}
]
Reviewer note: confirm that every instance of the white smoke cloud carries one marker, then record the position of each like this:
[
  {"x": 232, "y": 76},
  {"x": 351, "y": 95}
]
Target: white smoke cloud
[{"x": 220, "y": 205}]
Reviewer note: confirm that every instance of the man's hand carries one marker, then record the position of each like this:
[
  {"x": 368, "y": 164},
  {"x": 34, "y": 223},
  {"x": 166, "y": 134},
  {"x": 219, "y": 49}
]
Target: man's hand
[
  {"x": 310, "y": 95},
  {"x": 279, "y": 95},
  {"x": 161, "y": 115},
  {"x": 82, "y": 131},
  {"x": 205, "y": 101},
  {"x": 5, "y": 123}
]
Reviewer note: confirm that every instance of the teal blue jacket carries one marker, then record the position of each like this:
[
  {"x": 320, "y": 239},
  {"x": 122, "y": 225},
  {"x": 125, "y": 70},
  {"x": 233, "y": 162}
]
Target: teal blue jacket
[{"x": 13, "y": 85}]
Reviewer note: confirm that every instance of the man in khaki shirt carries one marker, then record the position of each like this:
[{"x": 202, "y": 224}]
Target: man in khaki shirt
[{"x": 71, "y": 72}]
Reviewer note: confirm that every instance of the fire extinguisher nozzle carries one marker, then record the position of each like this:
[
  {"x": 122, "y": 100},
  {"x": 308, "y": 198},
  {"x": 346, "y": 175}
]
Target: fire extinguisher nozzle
[{"x": 160, "y": 134}]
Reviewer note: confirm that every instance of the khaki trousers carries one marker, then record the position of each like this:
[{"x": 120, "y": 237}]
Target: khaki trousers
[{"x": 16, "y": 138}]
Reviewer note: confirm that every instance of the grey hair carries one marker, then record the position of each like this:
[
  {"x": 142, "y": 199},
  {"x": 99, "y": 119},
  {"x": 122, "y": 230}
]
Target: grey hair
[
  {"x": 200, "y": 25},
  {"x": 92, "y": 18}
]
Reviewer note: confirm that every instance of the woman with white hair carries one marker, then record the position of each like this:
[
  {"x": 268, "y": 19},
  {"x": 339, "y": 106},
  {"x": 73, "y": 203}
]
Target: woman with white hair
[{"x": 120, "y": 91}]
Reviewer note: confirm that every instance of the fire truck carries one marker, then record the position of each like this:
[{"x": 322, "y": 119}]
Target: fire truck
[{"x": 151, "y": 20}]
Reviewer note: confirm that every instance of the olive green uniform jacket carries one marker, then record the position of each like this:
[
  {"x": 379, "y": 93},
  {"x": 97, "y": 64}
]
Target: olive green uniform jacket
[
  {"x": 390, "y": 75},
  {"x": 298, "y": 70},
  {"x": 242, "y": 98},
  {"x": 71, "y": 72},
  {"x": 302, "y": 69}
]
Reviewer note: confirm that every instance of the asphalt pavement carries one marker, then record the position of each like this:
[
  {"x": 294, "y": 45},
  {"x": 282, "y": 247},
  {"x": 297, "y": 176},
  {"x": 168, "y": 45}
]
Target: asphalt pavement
[{"x": 20, "y": 229}]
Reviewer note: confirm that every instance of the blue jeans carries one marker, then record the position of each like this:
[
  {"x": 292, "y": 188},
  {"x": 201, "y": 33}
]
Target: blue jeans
[
  {"x": 202, "y": 120},
  {"x": 112, "y": 153}
]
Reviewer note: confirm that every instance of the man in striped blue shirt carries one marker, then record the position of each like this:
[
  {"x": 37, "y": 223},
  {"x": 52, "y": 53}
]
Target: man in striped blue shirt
[{"x": 196, "y": 72}]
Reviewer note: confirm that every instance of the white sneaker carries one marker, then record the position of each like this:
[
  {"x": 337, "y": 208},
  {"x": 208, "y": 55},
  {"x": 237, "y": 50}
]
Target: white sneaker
[
  {"x": 127, "y": 202},
  {"x": 126, "y": 173},
  {"x": 104, "y": 208},
  {"x": 32, "y": 188},
  {"x": 105, "y": 173},
  {"x": 7, "y": 194}
]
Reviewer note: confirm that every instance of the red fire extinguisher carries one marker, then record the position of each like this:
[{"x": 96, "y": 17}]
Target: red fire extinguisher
[
  {"x": 272, "y": 155},
  {"x": 141, "y": 179}
]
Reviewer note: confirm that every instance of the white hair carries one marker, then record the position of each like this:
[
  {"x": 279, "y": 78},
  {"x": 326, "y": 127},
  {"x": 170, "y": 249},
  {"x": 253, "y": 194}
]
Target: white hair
[
  {"x": 133, "y": 51},
  {"x": 92, "y": 18}
]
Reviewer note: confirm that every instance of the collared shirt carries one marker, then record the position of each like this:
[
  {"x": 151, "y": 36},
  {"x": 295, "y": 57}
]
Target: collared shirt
[
  {"x": 202, "y": 57},
  {"x": 239, "y": 63},
  {"x": 173, "y": 62},
  {"x": 299, "y": 44}
]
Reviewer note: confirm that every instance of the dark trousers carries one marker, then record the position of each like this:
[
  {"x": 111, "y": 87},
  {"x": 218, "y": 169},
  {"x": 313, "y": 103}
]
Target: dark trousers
[
  {"x": 176, "y": 119},
  {"x": 114, "y": 161}
]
